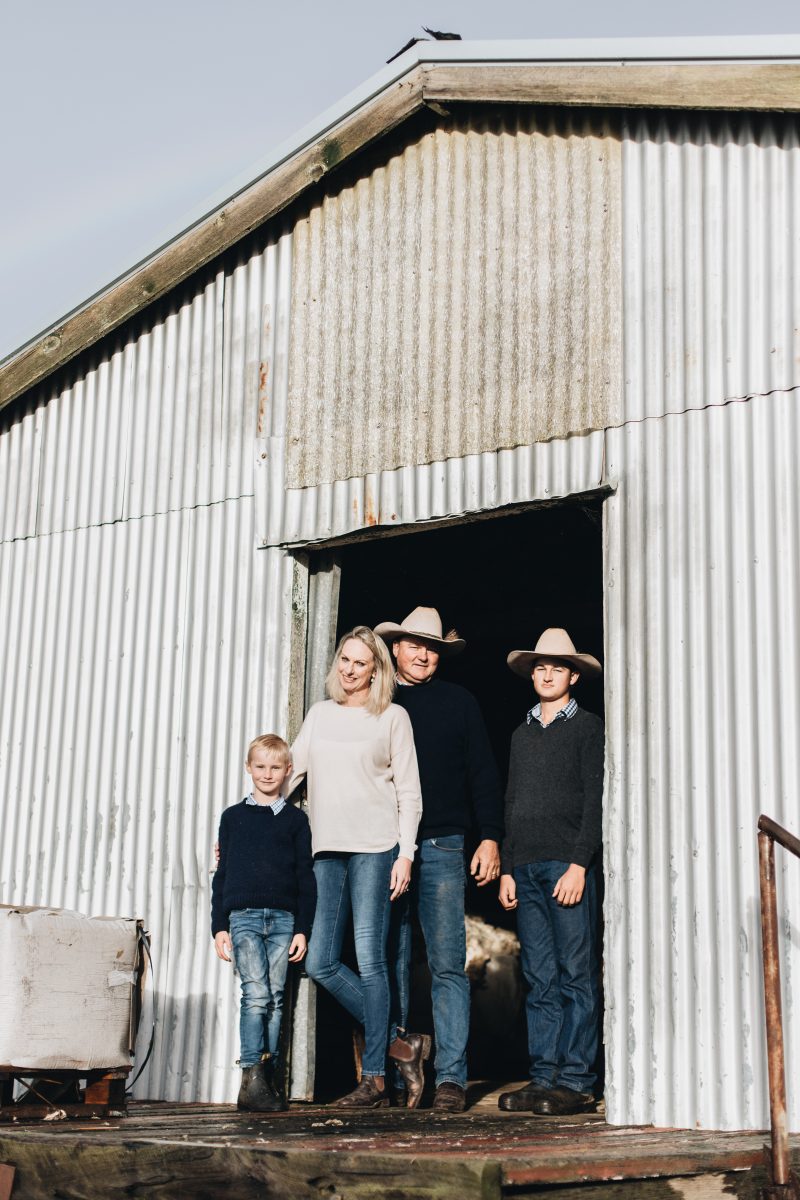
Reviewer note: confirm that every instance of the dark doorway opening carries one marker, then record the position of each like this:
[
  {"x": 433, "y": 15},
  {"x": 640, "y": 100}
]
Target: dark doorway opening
[{"x": 499, "y": 581}]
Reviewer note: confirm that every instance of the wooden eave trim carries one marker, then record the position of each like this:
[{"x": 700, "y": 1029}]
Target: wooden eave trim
[
  {"x": 210, "y": 237},
  {"x": 759, "y": 87},
  {"x": 722, "y": 86}
]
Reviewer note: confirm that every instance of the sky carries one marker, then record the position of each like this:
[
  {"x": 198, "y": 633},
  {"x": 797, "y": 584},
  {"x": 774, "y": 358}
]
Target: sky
[{"x": 118, "y": 120}]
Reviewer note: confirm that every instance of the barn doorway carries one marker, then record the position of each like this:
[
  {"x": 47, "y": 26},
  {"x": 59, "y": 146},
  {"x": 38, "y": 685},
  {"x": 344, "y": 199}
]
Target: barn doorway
[{"x": 499, "y": 581}]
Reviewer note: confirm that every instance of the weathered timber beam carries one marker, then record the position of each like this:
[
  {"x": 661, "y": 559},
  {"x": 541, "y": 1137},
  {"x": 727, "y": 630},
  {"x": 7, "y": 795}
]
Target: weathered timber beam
[
  {"x": 175, "y": 1170},
  {"x": 767, "y": 87},
  {"x": 210, "y": 237}
]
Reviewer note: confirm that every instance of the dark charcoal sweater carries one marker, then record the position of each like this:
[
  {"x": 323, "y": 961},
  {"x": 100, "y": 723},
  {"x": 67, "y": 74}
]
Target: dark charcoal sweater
[
  {"x": 264, "y": 862},
  {"x": 555, "y": 792},
  {"x": 456, "y": 765}
]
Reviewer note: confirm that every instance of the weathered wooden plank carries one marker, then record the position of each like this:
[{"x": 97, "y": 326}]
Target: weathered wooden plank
[
  {"x": 210, "y": 237},
  {"x": 173, "y": 1171},
  {"x": 734, "y": 1186},
  {"x": 765, "y": 87}
]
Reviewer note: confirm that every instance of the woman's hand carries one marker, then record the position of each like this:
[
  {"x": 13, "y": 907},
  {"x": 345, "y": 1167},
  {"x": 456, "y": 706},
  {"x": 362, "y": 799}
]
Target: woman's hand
[{"x": 400, "y": 877}]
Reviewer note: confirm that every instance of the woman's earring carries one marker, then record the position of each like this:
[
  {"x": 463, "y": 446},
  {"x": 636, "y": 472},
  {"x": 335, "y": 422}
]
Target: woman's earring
[{"x": 372, "y": 678}]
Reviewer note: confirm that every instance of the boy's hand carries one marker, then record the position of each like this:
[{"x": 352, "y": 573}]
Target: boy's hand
[
  {"x": 216, "y": 854},
  {"x": 508, "y": 892},
  {"x": 485, "y": 865},
  {"x": 222, "y": 945},
  {"x": 298, "y": 947},
  {"x": 400, "y": 877},
  {"x": 569, "y": 888}
]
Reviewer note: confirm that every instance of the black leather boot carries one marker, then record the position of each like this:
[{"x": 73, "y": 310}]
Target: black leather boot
[
  {"x": 272, "y": 1074},
  {"x": 257, "y": 1093}
]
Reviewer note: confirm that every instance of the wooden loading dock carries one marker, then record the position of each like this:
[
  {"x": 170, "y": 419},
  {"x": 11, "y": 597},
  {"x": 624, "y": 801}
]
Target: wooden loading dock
[{"x": 173, "y": 1152}]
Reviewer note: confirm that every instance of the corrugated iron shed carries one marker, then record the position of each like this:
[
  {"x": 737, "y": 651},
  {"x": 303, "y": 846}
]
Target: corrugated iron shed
[{"x": 194, "y": 412}]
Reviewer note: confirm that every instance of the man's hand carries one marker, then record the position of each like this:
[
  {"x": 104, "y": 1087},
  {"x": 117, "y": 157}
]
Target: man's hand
[
  {"x": 485, "y": 865},
  {"x": 569, "y": 888},
  {"x": 400, "y": 878},
  {"x": 508, "y": 892},
  {"x": 298, "y": 947},
  {"x": 222, "y": 945}
]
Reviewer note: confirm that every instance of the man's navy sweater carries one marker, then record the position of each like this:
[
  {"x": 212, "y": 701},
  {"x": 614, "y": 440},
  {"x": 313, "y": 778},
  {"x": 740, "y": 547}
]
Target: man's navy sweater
[
  {"x": 456, "y": 765},
  {"x": 554, "y": 796},
  {"x": 264, "y": 862}
]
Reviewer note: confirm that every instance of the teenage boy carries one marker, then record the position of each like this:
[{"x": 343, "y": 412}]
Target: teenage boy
[
  {"x": 553, "y": 836},
  {"x": 262, "y": 905}
]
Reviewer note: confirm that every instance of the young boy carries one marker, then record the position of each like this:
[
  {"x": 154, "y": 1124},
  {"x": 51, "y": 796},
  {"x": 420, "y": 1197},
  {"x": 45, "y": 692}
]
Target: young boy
[
  {"x": 553, "y": 836},
  {"x": 262, "y": 906}
]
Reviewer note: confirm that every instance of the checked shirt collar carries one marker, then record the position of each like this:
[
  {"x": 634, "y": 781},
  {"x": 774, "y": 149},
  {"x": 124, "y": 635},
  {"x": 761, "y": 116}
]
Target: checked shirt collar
[{"x": 563, "y": 714}]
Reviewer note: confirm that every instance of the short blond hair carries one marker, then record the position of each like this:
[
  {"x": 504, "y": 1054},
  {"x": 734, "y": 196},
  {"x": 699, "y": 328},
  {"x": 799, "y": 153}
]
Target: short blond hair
[
  {"x": 270, "y": 743},
  {"x": 381, "y": 689}
]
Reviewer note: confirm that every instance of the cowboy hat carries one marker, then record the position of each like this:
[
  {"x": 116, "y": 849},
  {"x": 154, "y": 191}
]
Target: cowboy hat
[
  {"x": 424, "y": 623},
  {"x": 554, "y": 643}
]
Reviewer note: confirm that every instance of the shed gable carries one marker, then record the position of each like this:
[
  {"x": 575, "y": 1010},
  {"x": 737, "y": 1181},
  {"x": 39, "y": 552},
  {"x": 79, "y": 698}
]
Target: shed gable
[{"x": 462, "y": 297}]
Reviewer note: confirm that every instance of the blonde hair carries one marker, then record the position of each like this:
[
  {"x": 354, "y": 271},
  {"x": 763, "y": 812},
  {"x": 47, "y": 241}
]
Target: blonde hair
[
  {"x": 270, "y": 743},
  {"x": 381, "y": 689}
]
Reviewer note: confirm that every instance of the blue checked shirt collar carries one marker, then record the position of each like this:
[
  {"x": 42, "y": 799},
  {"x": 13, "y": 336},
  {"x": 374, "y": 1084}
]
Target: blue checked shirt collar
[
  {"x": 563, "y": 714},
  {"x": 276, "y": 805}
]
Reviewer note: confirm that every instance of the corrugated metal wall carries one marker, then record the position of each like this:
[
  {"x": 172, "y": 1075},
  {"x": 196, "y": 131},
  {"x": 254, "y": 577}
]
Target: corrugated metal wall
[
  {"x": 145, "y": 641},
  {"x": 464, "y": 296},
  {"x": 702, "y": 619}
]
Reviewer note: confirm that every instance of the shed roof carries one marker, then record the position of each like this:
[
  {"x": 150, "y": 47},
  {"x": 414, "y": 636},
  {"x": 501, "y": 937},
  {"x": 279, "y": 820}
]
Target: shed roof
[{"x": 728, "y": 73}]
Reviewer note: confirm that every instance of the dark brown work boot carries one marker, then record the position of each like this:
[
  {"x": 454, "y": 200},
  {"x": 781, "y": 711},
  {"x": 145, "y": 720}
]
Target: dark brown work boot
[
  {"x": 521, "y": 1099},
  {"x": 563, "y": 1102},
  {"x": 257, "y": 1093},
  {"x": 410, "y": 1052},
  {"x": 449, "y": 1098},
  {"x": 366, "y": 1095}
]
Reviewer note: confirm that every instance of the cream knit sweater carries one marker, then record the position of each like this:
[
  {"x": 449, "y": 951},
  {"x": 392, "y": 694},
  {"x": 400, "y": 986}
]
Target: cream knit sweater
[{"x": 363, "y": 782}]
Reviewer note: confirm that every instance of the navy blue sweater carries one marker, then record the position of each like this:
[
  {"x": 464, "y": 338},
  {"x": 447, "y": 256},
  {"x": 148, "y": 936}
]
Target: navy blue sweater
[
  {"x": 456, "y": 766},
  {"x": 264, "y": 862}
]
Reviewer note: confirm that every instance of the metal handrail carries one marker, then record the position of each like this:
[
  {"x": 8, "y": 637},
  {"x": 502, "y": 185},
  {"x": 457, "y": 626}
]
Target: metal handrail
[{"x": 784, "y": 1182}]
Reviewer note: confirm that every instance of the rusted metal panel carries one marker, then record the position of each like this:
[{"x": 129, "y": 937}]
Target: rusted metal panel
[
  {"x": 463, "y": 297},
  {"x": 413, "y": 495}
]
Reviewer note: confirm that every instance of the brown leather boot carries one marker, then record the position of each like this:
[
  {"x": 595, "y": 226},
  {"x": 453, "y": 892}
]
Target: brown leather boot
[
  {"x": 410, "y": 1053},
  {"x": 450, "y": 1098},
  {"x": 366, "y": 1095}
]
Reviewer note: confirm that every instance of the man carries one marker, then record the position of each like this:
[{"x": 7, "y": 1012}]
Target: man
[
  {"x": 459, "y": 777},
  {"x": 553, "y": 834}
]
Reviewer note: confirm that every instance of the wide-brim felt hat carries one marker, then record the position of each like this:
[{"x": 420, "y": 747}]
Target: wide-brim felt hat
[
  {"x": 554, "y": 643},
  {"x": 426, "y": 624}
]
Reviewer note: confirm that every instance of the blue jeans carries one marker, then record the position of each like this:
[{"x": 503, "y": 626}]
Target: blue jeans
[
  {"x": 559, "y": 963},
  {"x": 261, "y": 939},
  {"x": 438, "y": 887},
  {"x": 357, "y": 883}
]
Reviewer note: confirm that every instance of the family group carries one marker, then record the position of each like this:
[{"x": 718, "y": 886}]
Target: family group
[{"x": 399, "y": 771}]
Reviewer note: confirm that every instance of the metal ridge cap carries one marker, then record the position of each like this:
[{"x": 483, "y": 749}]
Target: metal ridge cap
[{"x": 709, "y": 48}]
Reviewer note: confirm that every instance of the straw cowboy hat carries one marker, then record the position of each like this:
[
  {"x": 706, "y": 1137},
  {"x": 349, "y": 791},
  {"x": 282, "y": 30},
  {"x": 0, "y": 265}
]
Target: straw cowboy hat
[
  {"x": 554, "y": 643},
  {"x": 422, "y": 623}
]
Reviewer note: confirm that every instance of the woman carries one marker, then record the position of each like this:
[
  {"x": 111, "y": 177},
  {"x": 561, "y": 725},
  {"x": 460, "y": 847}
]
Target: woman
[{"x": 364, "y": 804}]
